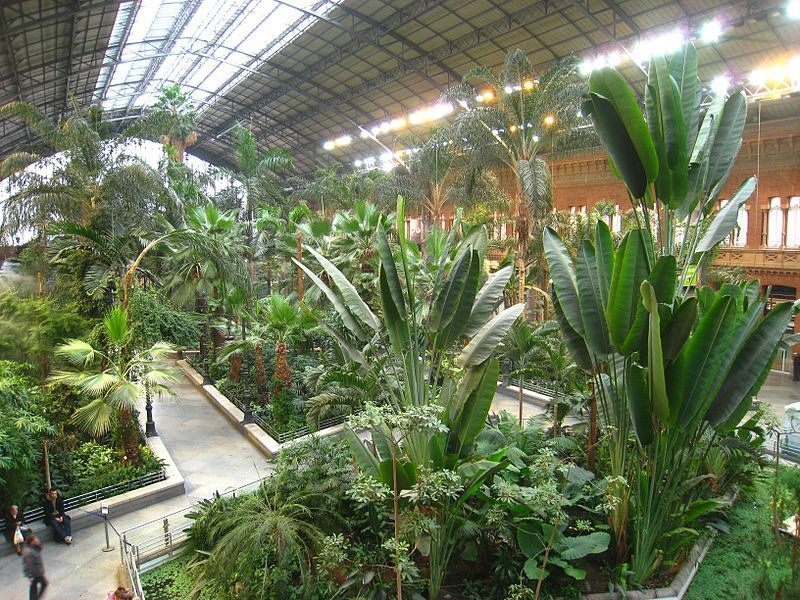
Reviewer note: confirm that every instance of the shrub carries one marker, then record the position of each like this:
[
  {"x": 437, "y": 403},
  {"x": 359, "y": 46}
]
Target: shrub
[{"x": 157, "y": 320}]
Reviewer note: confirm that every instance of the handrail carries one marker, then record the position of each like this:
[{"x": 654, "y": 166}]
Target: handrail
[{"x": 35, "y": 514}]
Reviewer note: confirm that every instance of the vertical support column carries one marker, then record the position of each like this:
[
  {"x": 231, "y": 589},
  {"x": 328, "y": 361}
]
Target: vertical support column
[
  {"x": 204, "y": 341},
  {"x": 150, "y": 424}
]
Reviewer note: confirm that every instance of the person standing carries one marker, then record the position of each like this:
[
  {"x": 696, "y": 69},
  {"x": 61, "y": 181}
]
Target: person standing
[
  {"x": 56, "y": 517},
  {"x": 15, "y": 533},
  {"x": 33, "y": 567}
]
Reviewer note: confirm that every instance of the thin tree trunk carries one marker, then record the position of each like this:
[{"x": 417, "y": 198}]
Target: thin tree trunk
[
  {"x": 129, "y": 445},
  {"x": 282, "y": 372},
  {"x": 261, "y": 377},
  {"x": 236, "y": 365},
  {"x": 592, "y": 430},
  {"x": 46, "y": 465}
]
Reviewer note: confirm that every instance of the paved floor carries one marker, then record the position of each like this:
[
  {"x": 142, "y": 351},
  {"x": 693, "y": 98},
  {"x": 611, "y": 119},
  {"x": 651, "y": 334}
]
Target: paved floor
[{"x": 210, "y": 454}]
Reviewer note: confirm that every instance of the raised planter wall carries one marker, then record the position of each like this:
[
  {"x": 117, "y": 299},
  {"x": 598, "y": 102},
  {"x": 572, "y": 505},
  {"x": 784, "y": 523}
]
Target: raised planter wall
[{"x": 265, "y": 443}]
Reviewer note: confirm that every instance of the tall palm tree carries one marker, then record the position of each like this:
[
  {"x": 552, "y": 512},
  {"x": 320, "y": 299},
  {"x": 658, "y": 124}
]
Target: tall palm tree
[
  {"x": 521, "y": 116},
  {"x": 113, "y": 378},
  {"x": 87, "y": 174},
  {"x": 171, "y": 120}
]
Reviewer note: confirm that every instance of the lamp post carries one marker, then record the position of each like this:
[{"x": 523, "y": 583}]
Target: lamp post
[
  {"x": 246, "y": 409},
  {"x": 104, "y": 512},
  {"x": 150, "y": 424}
]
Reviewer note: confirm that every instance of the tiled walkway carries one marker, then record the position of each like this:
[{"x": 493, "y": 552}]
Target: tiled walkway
[{"x": 211, "y": 455}]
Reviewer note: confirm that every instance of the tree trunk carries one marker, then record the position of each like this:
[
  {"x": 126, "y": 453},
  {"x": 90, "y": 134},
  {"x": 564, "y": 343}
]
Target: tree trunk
[
  {"x": 299, "y": 270},
  {"x": 236, "y": 365},
  {"x": 128, "y": 430},
  {"x": 261, "y": 377},
  {"x": 521, "y": 396},
  {"x": 282, "y": 372},
  {"x": 521, "y": 229}
]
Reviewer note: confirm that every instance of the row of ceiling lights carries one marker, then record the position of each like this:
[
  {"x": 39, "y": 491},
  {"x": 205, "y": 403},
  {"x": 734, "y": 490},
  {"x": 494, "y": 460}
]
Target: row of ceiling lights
[{"x": 664, "y": 43}]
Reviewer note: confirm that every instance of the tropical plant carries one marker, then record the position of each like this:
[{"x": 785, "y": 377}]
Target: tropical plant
[
  {"x": 172, "y": 120},
  {"x": 440, "y": 408},
  {"x": 670, "y": 366},
  {"x": 113, "y": 378},
  {"x": 520, "y": 116},
  {"x": 85, "y": 173}
]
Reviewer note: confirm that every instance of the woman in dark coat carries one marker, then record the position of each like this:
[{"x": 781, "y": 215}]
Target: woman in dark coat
[
  {"x": 56, "y": 517},
  {"x": 14, "y": 520}
]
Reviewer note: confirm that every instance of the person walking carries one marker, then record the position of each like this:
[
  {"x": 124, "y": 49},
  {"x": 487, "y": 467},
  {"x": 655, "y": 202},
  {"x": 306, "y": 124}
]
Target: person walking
[
  {"x": 33, "y": 567},
  {"x": 15, "y": 530},
  {"x": 56, "y": 517}
]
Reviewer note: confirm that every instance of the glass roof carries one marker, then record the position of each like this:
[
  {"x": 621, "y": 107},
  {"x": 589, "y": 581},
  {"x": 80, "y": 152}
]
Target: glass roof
[{"x": 206, "y": 46}]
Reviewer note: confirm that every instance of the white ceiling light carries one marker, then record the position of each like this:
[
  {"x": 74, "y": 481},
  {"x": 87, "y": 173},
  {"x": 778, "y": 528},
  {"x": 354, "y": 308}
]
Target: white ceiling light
[
  {"x": 329, "y": 145},
  {"x": 711, "y": 31},
  {"x": 793, "y": 9},
  {"x": 720, "y": 84}
]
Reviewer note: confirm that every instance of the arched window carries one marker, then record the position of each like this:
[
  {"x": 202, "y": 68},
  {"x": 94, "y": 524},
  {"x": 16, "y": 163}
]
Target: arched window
[
  {"x": 793, "y": 223},
  {"x": 775, "y": 223}
]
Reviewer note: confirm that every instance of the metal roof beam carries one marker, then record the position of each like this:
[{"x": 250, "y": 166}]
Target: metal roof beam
[
  {"x": 55, "y": 17},
  {"x": 399, "y": 18},
  {"x": 517, "y": 19},
  {"x": 421, "y": 71}
]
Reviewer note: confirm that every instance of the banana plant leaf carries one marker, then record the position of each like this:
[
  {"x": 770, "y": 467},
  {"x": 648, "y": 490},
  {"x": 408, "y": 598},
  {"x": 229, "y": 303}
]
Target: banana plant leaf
[
  {"x": 590, "y": 299},
  {"x": 392, "y": 279},
  {"x": 487, "y": 300},
  {"x": 655, "y": 357},
  {"x": 559, "y": 262},
  {"x": 725, "y": 219},
  {"x": 639, "y": 405},
  {"x": 467, "y": 417},
  {"x": 575, "y": 342},
  {"x": 630, "y": 269},
  {"x": 365, "y": 459},
  {"x": 464, "y": 304},
  {"x": 485, "y": 341},
  {"x": 753, "y": 360}
]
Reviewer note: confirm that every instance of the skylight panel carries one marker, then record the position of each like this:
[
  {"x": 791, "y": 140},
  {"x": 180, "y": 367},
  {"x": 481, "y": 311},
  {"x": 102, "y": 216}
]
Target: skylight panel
[{"x": 208, "y": 51}]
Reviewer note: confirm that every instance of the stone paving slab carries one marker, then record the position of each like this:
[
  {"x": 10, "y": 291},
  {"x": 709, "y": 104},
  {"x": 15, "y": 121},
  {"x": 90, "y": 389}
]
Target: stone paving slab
[{"x": 211, "y": 454}]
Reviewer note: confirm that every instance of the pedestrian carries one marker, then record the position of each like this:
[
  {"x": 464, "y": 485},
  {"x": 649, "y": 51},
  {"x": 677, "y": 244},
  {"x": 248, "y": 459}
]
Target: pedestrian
[
  {"x": 120, "y": 593},
  {"x": 56, "y": 517},
  {"x": 33, "y": 567},
  {"x": 15, "y": 528}
]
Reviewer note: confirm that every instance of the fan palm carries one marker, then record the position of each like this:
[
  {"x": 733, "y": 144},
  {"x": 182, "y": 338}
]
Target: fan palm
[
  {"x": 521, "y": 116},
  {"x": 112, "y": 379},
  {"x": 262, "y": 520}
]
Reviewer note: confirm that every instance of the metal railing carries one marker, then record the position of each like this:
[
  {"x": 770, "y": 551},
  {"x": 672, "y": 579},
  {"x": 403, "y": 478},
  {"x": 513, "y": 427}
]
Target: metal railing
[
  {"x": 532, "y": 385},
  {"x": 150, "y": 544},
  {"x": 36, "y": 514}
]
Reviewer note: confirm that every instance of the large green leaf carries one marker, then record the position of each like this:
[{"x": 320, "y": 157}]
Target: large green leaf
[
  {"x": 604, "y": 258},
  {"x": 449, "y": 296},
  {"x": 579, "y": 546},
  {"x": 392, "y": 279},
  {"x": 683, "y": 68},
  {"x": 709, "y": 353},
  {"x": 405, "y": 470},
  {"x": 639, "y": 404},
  {"x": 575, "y": 342},
  {"x": 347, "y": 317},
  {"x": 754, "y": 357},
  {"x": 630, "y": 269},
  {"x": 562, "y": 273},
  {"x": 725, "y": 219},
  {"x": 590, "y": 299},
  {"x": 452, "y": 332},
  {"x": 365, "y": 459},
  {"x": 487, "y": 301},
  {"x": 655, "y": 358},
  {"x": 349, "y": 293},
  {"x": 470, "y": 419},
  {"x": 396, "y": 326},
  {"x": 662, "y": 278},
  {"x": 676, "y": 331},
  {"x": 485, "y": 341},
  {"x": 728, "y": 140},
  {"x": 622, "y": 129}
]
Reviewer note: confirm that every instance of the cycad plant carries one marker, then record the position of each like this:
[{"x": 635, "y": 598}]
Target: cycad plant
[
  {"x": 521, "y": 115},
  {"x": 672, "y": 366},
  {"x": 113, "y": 378}
]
